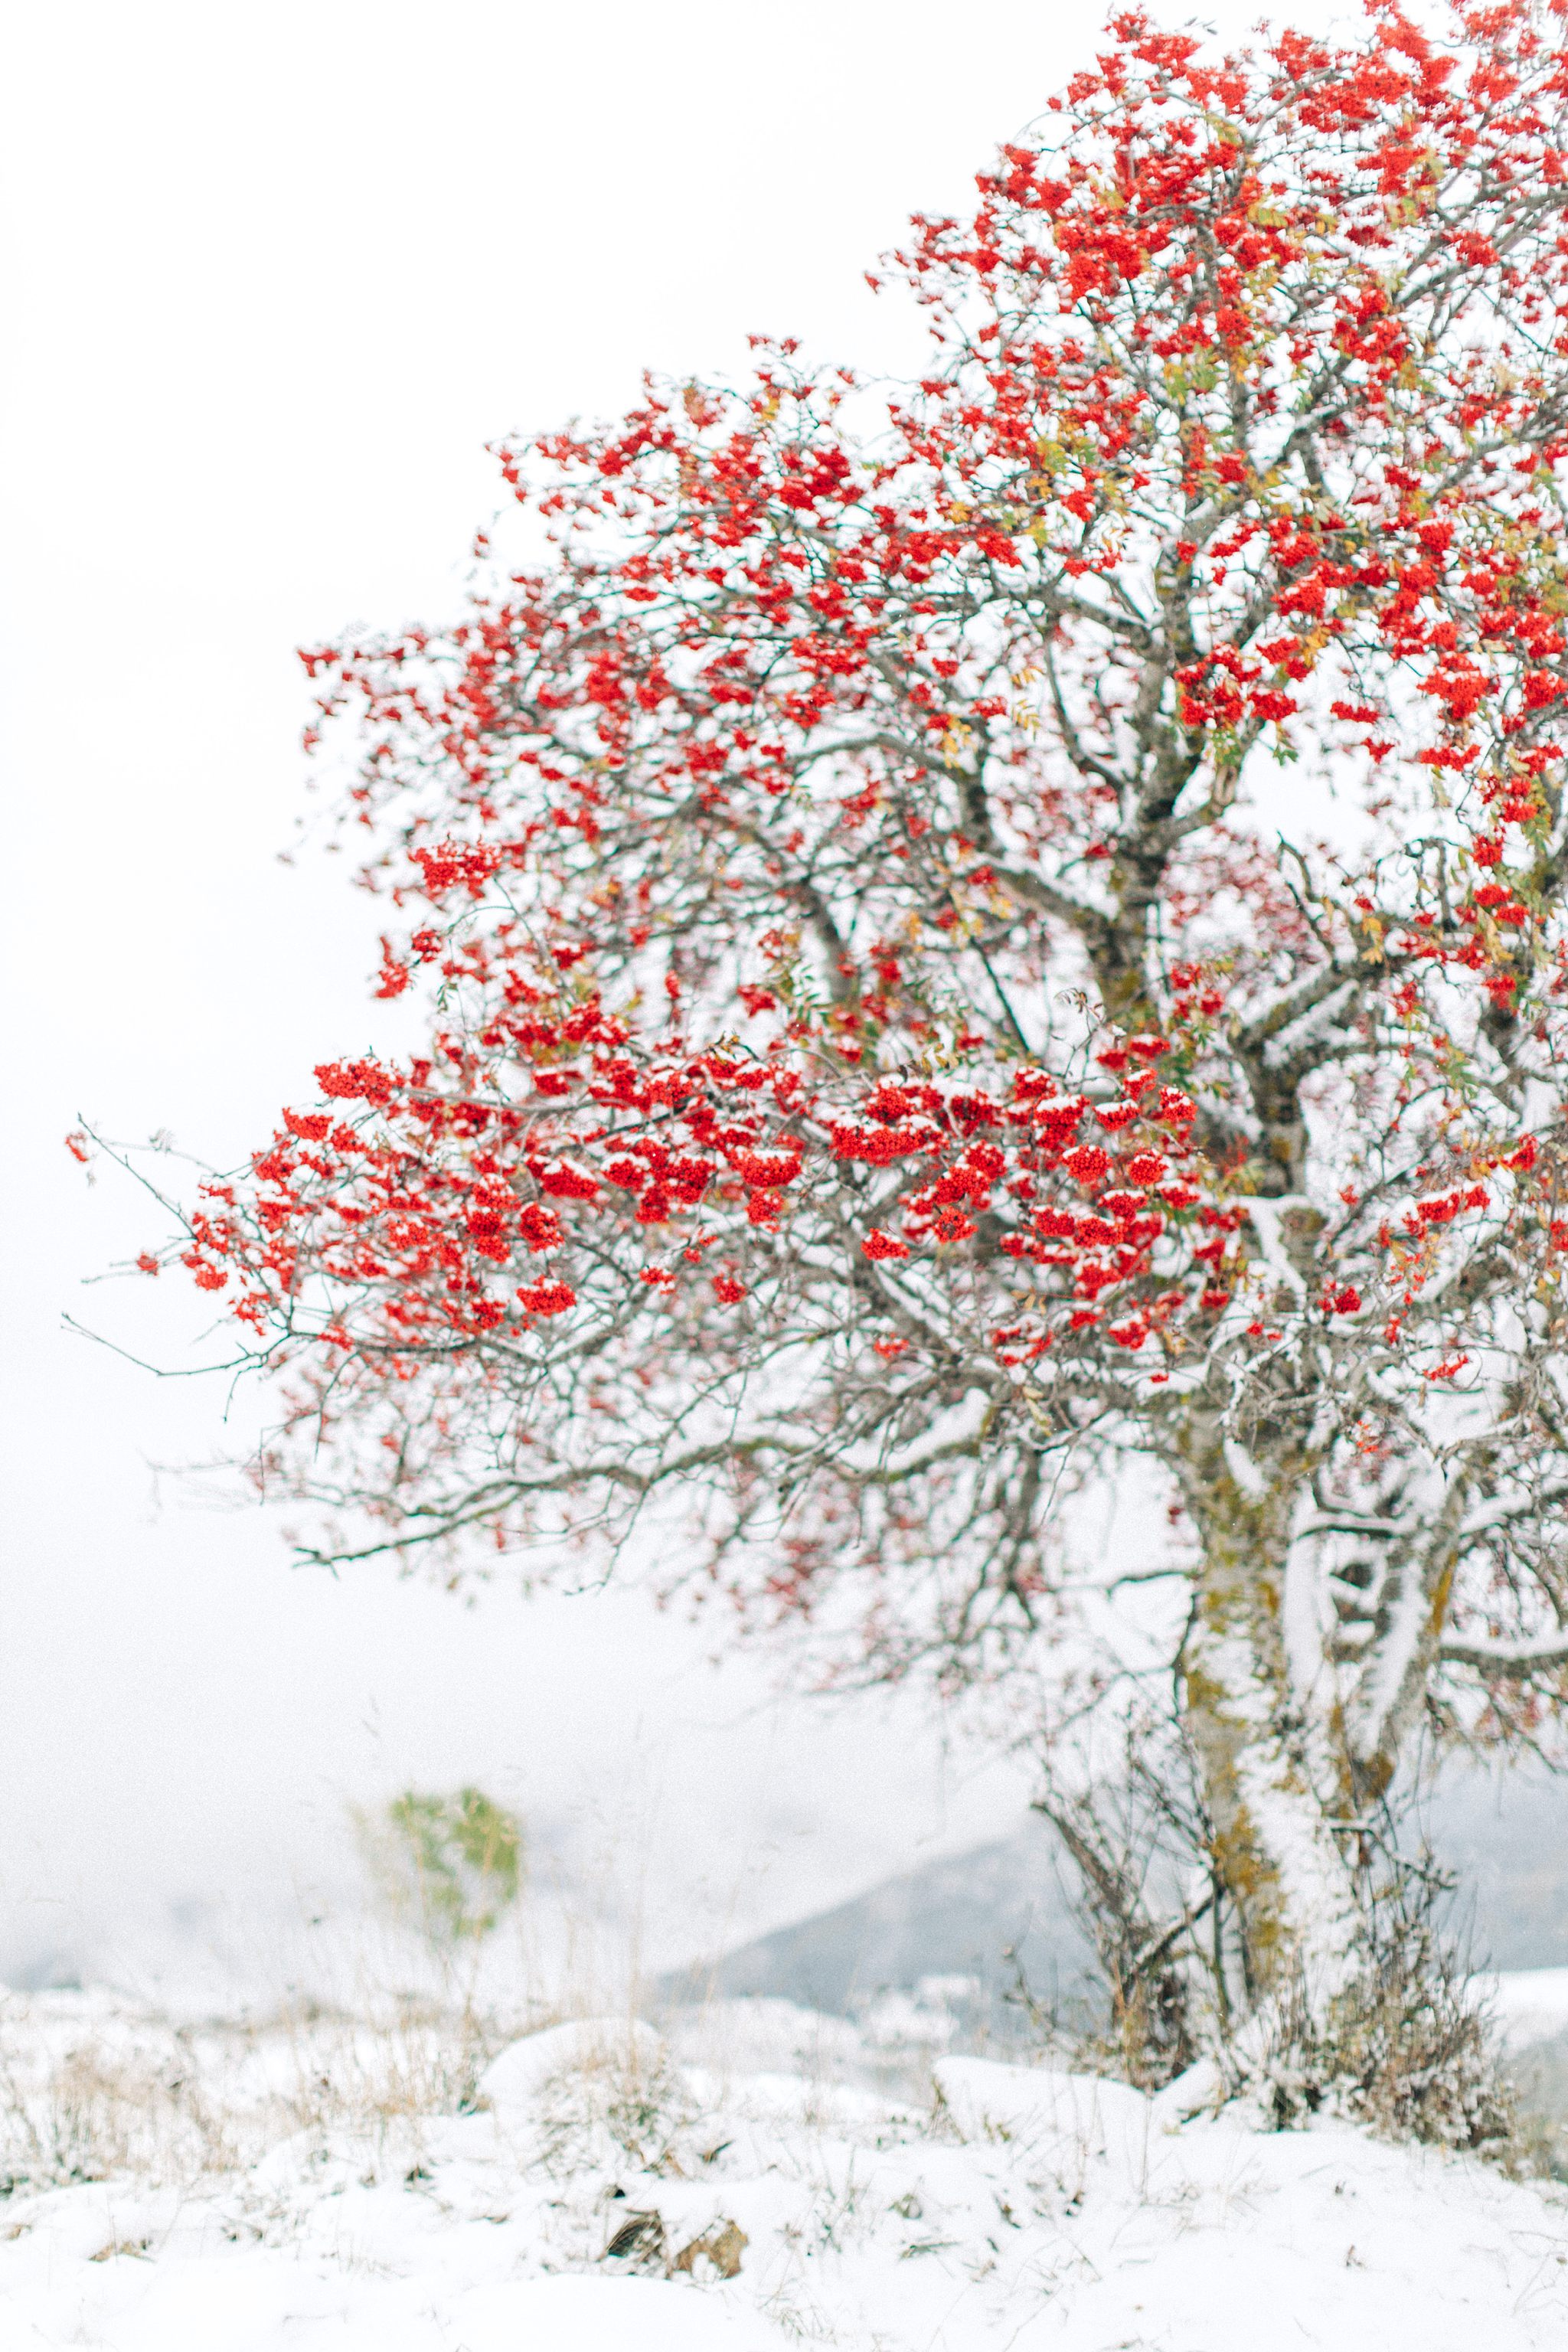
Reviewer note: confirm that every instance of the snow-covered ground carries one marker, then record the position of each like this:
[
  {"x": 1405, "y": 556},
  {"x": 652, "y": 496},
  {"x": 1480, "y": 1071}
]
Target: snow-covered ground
[{"x": 757, "y": 2178}]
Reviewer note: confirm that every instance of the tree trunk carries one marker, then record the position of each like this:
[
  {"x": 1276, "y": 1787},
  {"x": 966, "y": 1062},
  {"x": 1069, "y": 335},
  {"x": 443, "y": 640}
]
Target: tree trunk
[{"x": 1266, "y": 1748}]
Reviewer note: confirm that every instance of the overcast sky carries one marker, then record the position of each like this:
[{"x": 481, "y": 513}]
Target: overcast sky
[{"x": 273, "y": 279}]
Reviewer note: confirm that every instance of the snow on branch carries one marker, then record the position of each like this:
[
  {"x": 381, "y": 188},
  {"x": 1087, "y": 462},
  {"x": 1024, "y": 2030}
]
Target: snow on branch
[{"x": 1511, "y": 1661}]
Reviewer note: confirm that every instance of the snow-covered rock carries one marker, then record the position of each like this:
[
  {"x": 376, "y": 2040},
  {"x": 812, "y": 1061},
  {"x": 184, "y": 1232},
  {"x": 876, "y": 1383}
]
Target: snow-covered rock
[
  {"x": 1066, "y": 2122},
  {"x": 1202, "y": 2090},
  {"x": 622, "y": 2046}
]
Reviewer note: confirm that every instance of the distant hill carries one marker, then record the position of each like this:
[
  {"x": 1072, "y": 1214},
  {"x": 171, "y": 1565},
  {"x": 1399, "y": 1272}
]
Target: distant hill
[
  {"x": 1505, "y": 1838},
  {"x": 959, "y": 1917}
]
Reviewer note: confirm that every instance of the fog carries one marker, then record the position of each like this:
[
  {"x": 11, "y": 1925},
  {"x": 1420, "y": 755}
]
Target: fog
[{"x": 273, "y": 279}]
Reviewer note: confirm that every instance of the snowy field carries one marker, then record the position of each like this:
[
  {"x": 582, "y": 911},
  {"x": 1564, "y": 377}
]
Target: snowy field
[{"x": 757, "y": 2178}]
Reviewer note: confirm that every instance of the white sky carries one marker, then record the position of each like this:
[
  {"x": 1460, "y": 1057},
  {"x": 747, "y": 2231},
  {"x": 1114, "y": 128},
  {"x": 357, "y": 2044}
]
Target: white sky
[{"x": 273, "y": 277}]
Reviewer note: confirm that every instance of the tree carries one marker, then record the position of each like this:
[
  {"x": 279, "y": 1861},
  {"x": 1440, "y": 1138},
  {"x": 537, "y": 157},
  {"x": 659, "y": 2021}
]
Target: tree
[{"x": 987, "y": 932}]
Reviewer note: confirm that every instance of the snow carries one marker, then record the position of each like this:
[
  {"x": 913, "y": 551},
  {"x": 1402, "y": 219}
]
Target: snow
[
  {"x": 1069, "y": 2124},
  {"x": 513, "y": 2083},
  {"x": 1530, "y": 2004},
  {"x": 392, "y": 2183}
]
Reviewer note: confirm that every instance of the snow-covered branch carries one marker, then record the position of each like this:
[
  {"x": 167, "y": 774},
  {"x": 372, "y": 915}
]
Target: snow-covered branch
[{"x": 1507, "y": 1661}]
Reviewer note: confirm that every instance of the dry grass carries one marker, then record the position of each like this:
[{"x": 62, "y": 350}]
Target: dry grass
[{"x": 91, "y": 2090}]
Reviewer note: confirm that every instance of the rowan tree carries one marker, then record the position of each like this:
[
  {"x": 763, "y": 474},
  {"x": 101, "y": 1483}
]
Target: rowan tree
[{"x": 1014, "y": 927}]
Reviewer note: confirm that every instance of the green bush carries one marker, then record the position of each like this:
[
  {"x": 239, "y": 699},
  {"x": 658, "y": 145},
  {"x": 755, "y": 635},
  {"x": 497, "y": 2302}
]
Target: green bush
[{"x": 453, "y": 1865}]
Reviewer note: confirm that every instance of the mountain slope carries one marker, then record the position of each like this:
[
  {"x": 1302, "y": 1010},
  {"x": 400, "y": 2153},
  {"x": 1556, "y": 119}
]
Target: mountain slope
[{"x": 999, "y": 1907}]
